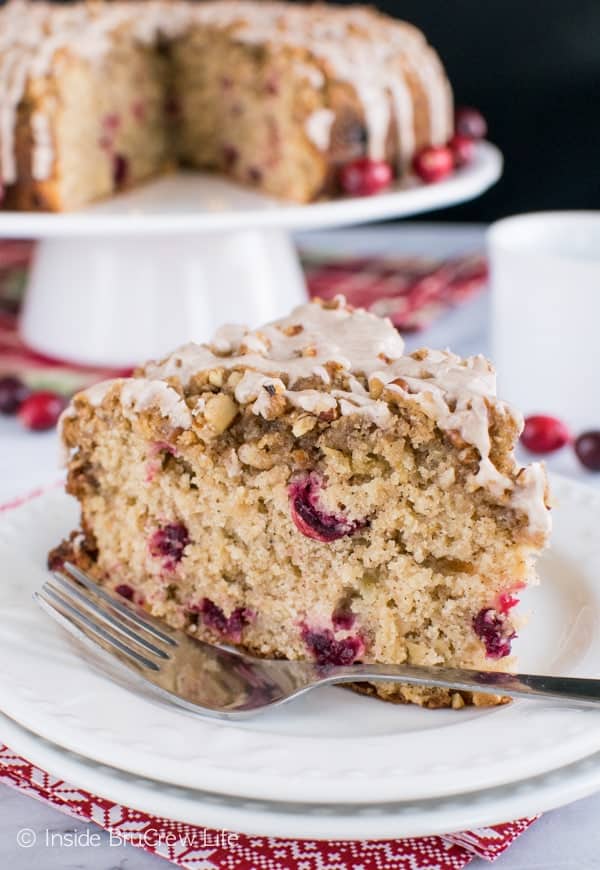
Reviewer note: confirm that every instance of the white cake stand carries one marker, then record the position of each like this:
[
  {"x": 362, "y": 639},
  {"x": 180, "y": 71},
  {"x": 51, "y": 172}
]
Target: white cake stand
[{"x": 133, "y": 277}]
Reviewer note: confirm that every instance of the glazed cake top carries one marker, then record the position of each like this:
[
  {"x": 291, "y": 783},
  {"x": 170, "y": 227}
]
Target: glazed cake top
[
  {"x": 326, "y": 358},
  {"x": 372, "y": 52}
]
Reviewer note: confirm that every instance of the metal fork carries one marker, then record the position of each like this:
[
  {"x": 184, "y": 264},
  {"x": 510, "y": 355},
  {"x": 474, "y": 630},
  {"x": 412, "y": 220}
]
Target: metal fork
[{"x": 222, "y": 682}]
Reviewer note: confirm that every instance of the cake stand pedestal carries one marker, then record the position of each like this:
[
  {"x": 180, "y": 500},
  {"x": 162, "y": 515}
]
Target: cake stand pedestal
[
  {"x": 133, "y": 277},
  {"x": 114, "y": 300}
]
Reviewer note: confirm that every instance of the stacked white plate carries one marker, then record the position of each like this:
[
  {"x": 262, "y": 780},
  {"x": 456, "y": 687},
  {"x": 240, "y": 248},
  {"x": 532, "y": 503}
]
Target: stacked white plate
[{"x": 332, "y": 764}]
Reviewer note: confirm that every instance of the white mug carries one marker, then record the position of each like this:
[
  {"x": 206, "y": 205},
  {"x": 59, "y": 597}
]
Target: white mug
[{"x": 545, "y": 277}]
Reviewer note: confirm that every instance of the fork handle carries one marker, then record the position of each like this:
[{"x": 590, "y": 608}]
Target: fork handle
[{"x": 579, "y": 690}]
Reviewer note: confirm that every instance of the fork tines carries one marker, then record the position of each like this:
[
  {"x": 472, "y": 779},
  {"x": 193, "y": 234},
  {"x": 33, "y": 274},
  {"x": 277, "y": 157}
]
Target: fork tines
[{"x": 93, "y": 616}]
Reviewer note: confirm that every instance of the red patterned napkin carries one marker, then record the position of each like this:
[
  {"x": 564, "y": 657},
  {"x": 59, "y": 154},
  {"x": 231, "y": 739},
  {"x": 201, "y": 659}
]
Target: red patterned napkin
[
  {"x": 197, "y": 848},
  {"x": 411, "y": 291}
]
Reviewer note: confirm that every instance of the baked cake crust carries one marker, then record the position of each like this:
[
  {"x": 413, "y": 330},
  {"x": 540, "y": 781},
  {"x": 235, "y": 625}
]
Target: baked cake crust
[
  {"x": 308, "y": 490},
  {"x": 96, "y": 97}
]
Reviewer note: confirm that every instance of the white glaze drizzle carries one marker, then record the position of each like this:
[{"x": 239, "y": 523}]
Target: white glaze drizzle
[
  {"x": 357, "y": 46},
  {"x": 43, "y": 153},
  {"x": 529, "y": 496},
  {"x": 318, "y": 128},
  {"x": 313, "y": 340},
  {"x": 140, "y": 394},
  {"x": 299, "y": 346},
  {"x": 312, "y": 401},
  {"x": 363, "y": 48},
  {"x": 456, "y": 393},
  {"x": 95, "y": 395},
  {"x": 403, "y": 109}
]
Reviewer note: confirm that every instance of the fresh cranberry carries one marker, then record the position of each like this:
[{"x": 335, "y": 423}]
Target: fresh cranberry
[
  {"x": 162, "y": 447},
  {"x": 255, "y": 175},
  {"x": 172, "y": 108},
  {"x": 365, "y": 176},
  {"x": 433, "y": 163},
  {"x": 230, "y": 155},
  {"x": 227, "y": 626},
  {"x": 213, "y": 616},
  {"x": 41, "y": 410},
  {"x": 326, "y": 650},
  {"x": 138, "y": 110},
  {"x": 311, "y": 520},
  {"x": 543, "y": 434},
  {"x": 13, "y": 393},
  {"x": 470, "y": 122},
  {"x": 343, "y": 620},
  {"x": 152, "y": 467},
  {"x": 112, "y": 121},
  {"x": 238, "y": 619},
  {"x": 506, "y": 601},
  {"x": 56, "y": 562},
  {"x": 120, "y": 170},
  {"x": 491, "y": 627},
  {"x": 169, "y": 542},
  {"x": 157, "y": 451},
  {"x": 124, "y": 591},
  {"x": 587, "y": 448},
  {"x": 463, "y": 149}
]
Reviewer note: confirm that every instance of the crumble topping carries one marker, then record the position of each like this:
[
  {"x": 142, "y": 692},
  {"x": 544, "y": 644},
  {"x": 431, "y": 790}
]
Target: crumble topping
[{"x": 318, "y": 342}]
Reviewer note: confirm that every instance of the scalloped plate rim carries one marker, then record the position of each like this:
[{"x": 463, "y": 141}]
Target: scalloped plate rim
[{"x": 440, "y": 816}]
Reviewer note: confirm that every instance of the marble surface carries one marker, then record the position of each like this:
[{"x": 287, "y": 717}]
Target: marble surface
[{"x": 565, "y": 839}]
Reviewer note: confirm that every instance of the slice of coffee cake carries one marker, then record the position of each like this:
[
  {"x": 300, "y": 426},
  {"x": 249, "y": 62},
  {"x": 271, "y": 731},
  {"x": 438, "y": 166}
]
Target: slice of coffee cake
[{"x": 307, "y": 490}]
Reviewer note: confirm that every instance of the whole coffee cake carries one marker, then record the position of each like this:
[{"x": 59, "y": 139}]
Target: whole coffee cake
[
  {"x": 307, "y": 490},
  {"x": 96, "y": 97}
]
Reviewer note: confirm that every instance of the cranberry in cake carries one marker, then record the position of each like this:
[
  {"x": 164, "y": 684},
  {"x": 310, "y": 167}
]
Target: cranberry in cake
[
  {"x": 308, "y": 490},
  {"x": 299, "y": 101}
]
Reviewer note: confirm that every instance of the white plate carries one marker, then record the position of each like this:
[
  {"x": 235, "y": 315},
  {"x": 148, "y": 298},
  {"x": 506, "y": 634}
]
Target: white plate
[
  {"x": 194, "y": 202},
  {"x": 331, "y": 746},
  {"x": 310, "y": 821}
]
